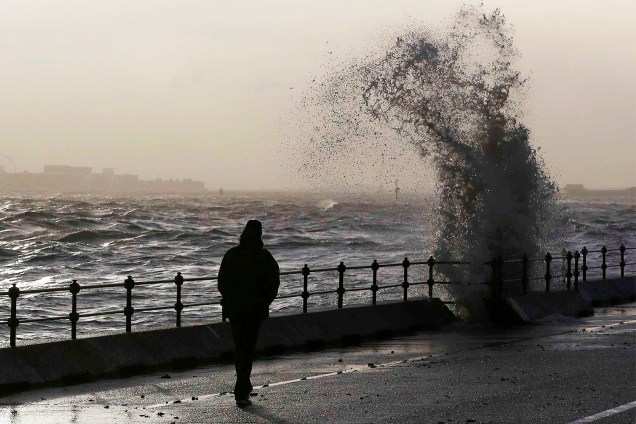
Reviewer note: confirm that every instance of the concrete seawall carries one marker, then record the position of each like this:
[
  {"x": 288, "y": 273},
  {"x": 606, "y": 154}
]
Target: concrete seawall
[
  {"x": 74, "y": 361},
  {"x": 120, "y": 355},
  {"x": 571, "y": 303}
]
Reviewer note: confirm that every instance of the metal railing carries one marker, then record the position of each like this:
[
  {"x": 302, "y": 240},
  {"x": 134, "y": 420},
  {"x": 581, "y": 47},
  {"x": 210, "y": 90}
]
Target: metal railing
[
  {"x": 497, "y": 283},
  {"x": 572, "y": 274}
]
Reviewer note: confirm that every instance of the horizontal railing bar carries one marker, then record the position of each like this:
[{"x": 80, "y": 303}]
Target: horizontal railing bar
[
  {"x": 192, "y": 305},
  {"x": 289, "y": 296},
  {"x": 451, "y": 263},
  {"x": 390, "y": 287},
  {"x": 324, "y": 292},
  {"x": 324, "y": 269},
  {"x": 201, "y": 278},
  {"x": 154, "y": 308},
  {"x": 101, "y": 286},
  {"x": 97, "y": 314},
  {"x": 536, "y": 259},
  {"x": 514, "y": 280},
  {"x": 356, "y": 289},
  {"x": 290, "y": 273},
  {"x": 51, "y": 290},
  {"x": 536, "y": 278},
  {"x": 58, "y": 318},
  {"x": 152, "y": 283},
  {"x": 359, "y": 267},
  {"x": 389, "y": 265}
]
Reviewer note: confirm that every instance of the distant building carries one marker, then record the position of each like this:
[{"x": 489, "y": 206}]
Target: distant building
[
  {"x": 67, "y": 170},
  {"x": 80, "y": 179}
]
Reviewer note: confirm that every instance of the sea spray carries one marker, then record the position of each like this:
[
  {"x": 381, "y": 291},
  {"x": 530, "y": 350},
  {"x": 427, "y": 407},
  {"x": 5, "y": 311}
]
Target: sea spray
[{"x": 456, "y": 96}]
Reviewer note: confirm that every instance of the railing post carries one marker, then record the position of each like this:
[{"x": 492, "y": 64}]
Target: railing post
[
  {"x": 430, "y": 262},
  {"x": 341, "y": 270},
  {"x": 129, "y": 283},
  {"x": 524, "y": 273},
  {"x": 577, "y": 255},
  {"x": 13, "y": 321},
  {"x": 74, "y": 288},
  {"x": 584, "y": 266},
  {"x": 178, "y": 306},
  {"x": 568, "y": 275},
  {"x": 374, "y": 287},
  {"x": 405, "y": 283},
  {"x": 305, "y": 290},
  {"x": 548, "y": 275},
  {"x": 622, "y": 249},
  {"x": 604, "y": 264}
]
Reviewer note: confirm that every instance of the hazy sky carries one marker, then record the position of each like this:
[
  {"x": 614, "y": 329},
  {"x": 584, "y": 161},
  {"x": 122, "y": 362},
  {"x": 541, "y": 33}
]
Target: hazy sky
[{"x": 201, "y": 89}]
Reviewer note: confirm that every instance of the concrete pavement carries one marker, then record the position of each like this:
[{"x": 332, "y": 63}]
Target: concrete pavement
[{"x": 559, "y": 371}]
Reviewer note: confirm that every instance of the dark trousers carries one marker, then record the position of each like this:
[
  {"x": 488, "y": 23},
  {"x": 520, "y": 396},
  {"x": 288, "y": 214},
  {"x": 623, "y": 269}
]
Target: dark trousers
[{"x": 245, "y": 332}]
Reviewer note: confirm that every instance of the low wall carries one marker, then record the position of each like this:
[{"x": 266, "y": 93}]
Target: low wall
[
  {"x": 75, "y": 361},
  {"x": 538, "y": 305},
  {"x": 603, "y": 292}
]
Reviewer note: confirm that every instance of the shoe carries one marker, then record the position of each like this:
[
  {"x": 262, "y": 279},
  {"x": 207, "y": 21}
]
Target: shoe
[{"x": 242, "y": 403}]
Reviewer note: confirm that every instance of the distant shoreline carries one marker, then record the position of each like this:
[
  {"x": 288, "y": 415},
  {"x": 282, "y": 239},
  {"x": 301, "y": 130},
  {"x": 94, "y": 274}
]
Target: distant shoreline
[{"x": 578, "y": 190}]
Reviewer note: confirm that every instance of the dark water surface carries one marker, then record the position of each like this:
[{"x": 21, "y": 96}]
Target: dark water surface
[{"x": 47, "y": 241}]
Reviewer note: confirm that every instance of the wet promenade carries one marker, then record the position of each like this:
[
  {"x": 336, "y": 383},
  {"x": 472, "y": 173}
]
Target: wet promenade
[{"x": 560, "y": 371}]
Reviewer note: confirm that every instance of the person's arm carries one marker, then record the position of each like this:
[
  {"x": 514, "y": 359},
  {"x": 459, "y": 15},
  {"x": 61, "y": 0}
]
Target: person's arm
[
  {"x": 222, "y": 281},
  {"x": 273, "y": 279}
]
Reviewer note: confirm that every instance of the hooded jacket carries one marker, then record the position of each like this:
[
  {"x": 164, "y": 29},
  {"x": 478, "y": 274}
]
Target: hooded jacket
[{"x": 248, "y": 276}]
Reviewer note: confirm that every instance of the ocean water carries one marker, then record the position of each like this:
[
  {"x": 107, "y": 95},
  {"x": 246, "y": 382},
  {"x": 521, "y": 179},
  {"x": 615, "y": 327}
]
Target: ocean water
[{"x": 48, "y": 241}]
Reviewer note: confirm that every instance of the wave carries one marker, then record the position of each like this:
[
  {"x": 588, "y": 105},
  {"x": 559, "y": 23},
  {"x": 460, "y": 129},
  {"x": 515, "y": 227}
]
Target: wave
[
  {"x": 42, "y": 258},
  {"x": 34, "y": 215},
  {"x": 85, "y": 236},
  {"x": 327, "y": 204},
  {"x": 134, "y": 227},
  {"x": 6, "y": 253},
  {"x": 219, "y": 232},
  {"x": 190, "y": 235}
]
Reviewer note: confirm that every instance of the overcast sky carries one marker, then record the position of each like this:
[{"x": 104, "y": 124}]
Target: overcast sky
[{"x": 201, "y": 89}]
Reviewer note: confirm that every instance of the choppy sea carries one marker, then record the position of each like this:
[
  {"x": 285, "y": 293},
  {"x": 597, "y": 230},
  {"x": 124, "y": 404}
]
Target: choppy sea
[{"x": 48, "y": 241}]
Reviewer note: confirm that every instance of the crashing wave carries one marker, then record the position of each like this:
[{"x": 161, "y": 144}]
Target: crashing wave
[{"x": 456, "y": 97}]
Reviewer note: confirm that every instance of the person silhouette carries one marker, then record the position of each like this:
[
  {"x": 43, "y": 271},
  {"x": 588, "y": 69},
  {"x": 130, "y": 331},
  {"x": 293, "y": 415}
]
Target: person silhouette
[{"x": 248, "y": 281}]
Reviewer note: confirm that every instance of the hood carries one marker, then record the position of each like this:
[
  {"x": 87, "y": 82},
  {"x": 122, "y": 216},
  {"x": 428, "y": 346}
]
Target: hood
[{"x": 251, "y": 236}]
